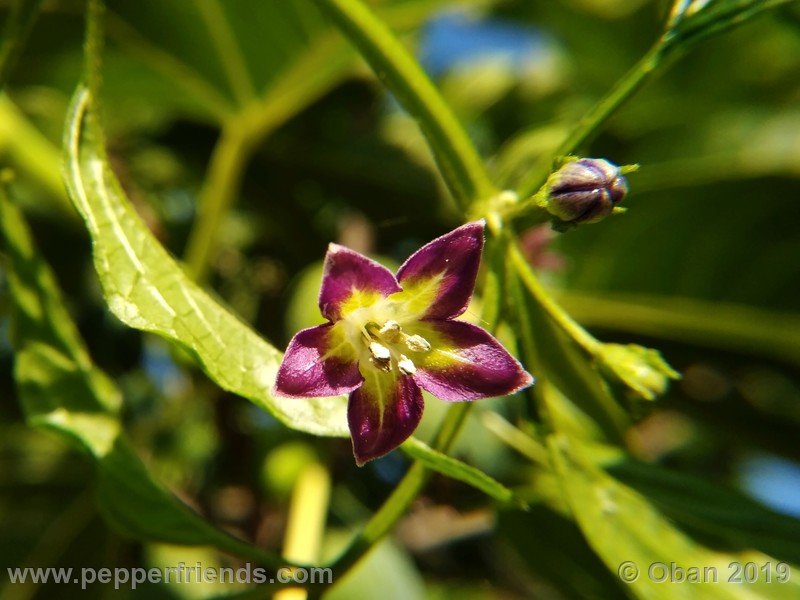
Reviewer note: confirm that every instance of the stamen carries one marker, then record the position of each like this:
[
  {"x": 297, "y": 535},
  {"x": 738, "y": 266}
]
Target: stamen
[
  {"x": 406, "y": 366},
  {"x": 390, "y": 331},
  {"x": 379, "y": 352},
  {"x": 417, "y": 343},
  {"x": 389, "y": 326},
  {"x": 381, "y": 356}
]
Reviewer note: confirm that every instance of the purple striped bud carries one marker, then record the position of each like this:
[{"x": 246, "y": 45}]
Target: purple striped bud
[{"x": 585, "y": 190}]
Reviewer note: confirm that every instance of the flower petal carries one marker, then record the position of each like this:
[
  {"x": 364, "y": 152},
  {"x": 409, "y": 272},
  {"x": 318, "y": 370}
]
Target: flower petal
[
  {"x": 382, "y": 414},
  {"x": 318, "y": 362},
  {"x": 438, "y": 278},
  {"x": 351, "y": 280},
  {"x": 466, "y": 363}
]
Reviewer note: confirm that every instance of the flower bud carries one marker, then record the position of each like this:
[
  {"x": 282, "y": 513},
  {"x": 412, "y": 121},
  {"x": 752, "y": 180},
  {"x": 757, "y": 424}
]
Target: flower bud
[
  {"x": 642, "y": 370},
  {"x": 585, "y": 190}
]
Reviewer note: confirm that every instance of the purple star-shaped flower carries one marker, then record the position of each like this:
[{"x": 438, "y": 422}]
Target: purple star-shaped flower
[{"x": 388, "y": 337}]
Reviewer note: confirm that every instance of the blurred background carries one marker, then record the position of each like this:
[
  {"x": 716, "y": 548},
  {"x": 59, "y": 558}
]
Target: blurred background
[{"x": 704, "y": 266}]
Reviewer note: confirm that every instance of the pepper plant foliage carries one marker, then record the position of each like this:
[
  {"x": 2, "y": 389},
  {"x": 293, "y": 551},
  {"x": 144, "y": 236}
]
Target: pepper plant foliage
[{"x": 554, "y": 434}]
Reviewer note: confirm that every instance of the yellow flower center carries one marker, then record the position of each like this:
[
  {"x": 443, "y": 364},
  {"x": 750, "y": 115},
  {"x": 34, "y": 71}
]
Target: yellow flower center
[
  {"x": 375, "y": 331},
  {"x": 387, "y": 345}
]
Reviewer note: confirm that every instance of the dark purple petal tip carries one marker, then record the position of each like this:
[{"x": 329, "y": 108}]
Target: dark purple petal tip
[
  {"x": 307, "y": 372},
  {"x": 451, "y": 262},
  {"x": 382, "y": 414},
  {"x": 347, "y": 272}
]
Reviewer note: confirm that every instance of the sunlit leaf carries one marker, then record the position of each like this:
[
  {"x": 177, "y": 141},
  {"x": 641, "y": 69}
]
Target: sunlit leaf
[
  {"x": 623, "y": 528},
  {"x": 146, "y": 289},
  {"x": 720, "y": 516},
  {"x": 61, "y": 390}
]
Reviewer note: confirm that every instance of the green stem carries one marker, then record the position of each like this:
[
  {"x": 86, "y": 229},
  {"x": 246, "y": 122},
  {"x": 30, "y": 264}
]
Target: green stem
[
  {"x": 581, "y": 337},
  {"x": 716, "y": 19},
  {"x": 591, "y": 122},
  {"x": 733, "y": 327},
  {"x": 404, "y": 494},
  {"x": 516, "y": 438},
  {"x": 563, "y": 351},
  {"x": 676, "y": 40},
  {"x": 457, "y": 158},
  {"x": 309, "y": 78},
  {"x": 218, "y": 193},
  {"x": 227, "y": 48}
]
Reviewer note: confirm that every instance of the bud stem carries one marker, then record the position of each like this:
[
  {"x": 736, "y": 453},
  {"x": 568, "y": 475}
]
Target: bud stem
[
  {"x": 591, "y": 122},
  {"x": 583, "y": 338}
]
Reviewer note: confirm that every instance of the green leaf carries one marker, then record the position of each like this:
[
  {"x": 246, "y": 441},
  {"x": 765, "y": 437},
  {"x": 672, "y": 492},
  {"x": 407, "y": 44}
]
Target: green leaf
[
  {"x": 622, "y": 526},
  {"x": 61, "y": 390},
  {"x": 228, "y": 54},
  {"x": 147, "y": 290},
  {"x": 721, "y": 516},
  {"x": 455, "y": 469}
]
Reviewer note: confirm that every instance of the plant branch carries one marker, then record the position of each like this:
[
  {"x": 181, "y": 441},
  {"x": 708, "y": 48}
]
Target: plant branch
[
  {"x": 233, "y": 61},
  {"x": 679, "y": 36},
  {"x": 404, "y": 494},
  {"x": 220, "y": 187},
  {"x": 458, "y": 160},
  {"x": 308, "y": 79},
  {"x": 591, "y": 122},
  {"x": 559, "y": 316}
]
